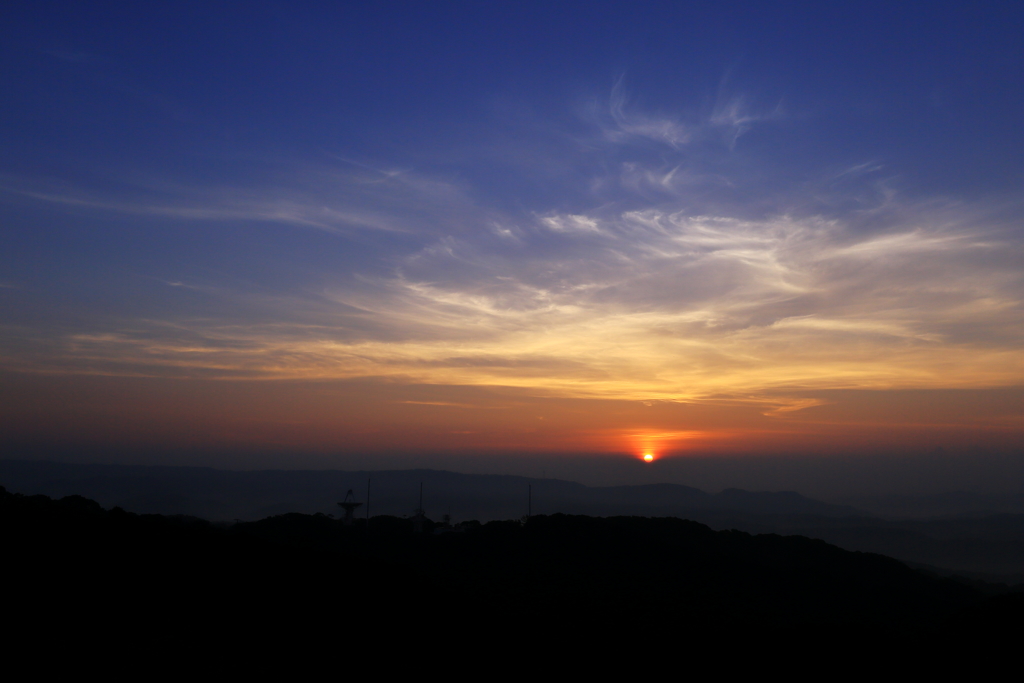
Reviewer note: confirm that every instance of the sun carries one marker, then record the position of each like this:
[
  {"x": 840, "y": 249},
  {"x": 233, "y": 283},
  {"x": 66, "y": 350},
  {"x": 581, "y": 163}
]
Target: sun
[{"x": 648, "y": 457}]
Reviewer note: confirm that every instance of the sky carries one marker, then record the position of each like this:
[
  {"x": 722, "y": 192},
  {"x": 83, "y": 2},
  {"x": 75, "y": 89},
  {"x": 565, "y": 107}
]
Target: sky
[{"x": 502, "y": 232}]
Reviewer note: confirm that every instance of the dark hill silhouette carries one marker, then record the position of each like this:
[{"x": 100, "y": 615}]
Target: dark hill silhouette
[
  {"x": 146, "y": 577},
  {"x": 989, "y": 547}
]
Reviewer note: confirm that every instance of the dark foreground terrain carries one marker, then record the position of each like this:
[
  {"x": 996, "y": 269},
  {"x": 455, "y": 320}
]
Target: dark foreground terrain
[
  {"x": 73, "y": 569},
  {"x": 968, "y": 535}
]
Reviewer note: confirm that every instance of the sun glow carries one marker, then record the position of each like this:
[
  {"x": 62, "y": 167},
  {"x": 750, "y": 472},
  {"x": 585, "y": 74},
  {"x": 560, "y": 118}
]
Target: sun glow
[{"x": 648, "y": 457}]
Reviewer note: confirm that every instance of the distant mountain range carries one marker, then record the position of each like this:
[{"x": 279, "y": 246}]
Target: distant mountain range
[
  {"x": 972, "y": 543},
  {"x": 947, "y": 504},
  {"x": 222, "y": 495}
]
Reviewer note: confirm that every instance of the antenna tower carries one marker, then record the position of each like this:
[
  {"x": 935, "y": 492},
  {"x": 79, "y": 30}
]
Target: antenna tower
[
  {"x": 420, "y": 516},
  {"x": 349, "y": 505}
]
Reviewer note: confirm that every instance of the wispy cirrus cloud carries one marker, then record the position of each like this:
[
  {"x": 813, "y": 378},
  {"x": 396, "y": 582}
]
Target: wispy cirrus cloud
[
  {"x": 322, "y": 197},
  {"x": 734, "y": 116},
  {"x": 629, "y": 123},
  {"x": 731, "y": 117},
  {"x": 645, "y": 305},
  {"x": 654, "y": 293}
]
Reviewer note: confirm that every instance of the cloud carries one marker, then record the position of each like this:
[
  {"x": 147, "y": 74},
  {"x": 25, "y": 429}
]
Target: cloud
[
  {"x": 322, "y": 198},
  {"x": 571, "y": 223},
  {"x": 639, "y": 305},
  {"x": 731, "y": 117},
  {"x": 664, "y": 290},
  {"x": 734, "y": 117},
  {"x": 669, "y": 131}
]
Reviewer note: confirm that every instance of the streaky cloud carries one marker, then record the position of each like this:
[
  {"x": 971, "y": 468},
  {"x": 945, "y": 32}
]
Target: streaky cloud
[{"x": 644, "y": 296}]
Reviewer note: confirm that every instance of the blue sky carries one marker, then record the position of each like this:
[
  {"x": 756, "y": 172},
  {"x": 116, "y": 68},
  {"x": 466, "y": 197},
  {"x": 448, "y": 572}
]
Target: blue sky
[{"x": 740, "y": 205}]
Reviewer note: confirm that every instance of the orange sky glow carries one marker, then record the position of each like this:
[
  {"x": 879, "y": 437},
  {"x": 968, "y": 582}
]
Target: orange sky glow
[{"x": 624, "y": 264}]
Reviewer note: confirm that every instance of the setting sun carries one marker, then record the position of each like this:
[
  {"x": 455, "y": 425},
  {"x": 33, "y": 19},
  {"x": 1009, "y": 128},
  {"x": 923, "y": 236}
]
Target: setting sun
[{"x": 648, "y": 457}]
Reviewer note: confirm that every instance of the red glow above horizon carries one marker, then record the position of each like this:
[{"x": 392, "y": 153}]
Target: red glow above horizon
[{"x": 372, "y": 417}]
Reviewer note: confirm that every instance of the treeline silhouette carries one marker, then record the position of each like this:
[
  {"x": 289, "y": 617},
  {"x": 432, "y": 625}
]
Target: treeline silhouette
[{"x": 150, "y": 578}]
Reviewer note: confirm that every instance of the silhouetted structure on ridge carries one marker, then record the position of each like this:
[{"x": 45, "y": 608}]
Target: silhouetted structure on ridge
[
  {"x": 349, "y": 505},
  {"x": 419, "y": 517}
]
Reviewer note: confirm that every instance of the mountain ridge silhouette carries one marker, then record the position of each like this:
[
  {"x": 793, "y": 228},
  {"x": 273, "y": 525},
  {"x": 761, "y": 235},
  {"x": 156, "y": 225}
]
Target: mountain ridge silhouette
[{"x": 140, "y": 579}]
